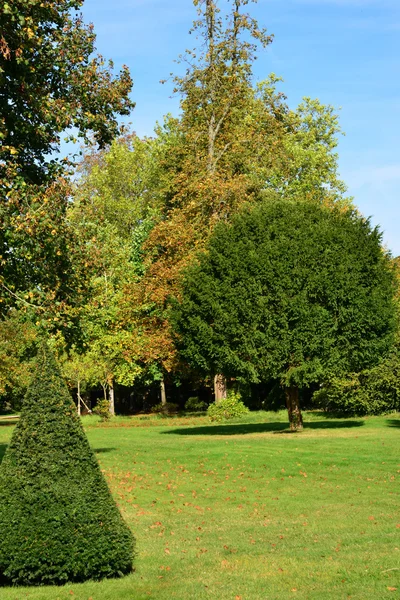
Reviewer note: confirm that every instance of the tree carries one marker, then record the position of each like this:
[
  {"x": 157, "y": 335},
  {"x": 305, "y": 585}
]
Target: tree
[
  {"x": 374, "y": 390},
  {"x": 233, "y": 143},
  {"x": 115, "y": 204},
  {"x": 79, "y": 372},
  {"x": 50, "y": 82},
  {"x": 40, "y": 271},
  {"x": 58, "y": 519},
  {"x": 291, "y": 291}
]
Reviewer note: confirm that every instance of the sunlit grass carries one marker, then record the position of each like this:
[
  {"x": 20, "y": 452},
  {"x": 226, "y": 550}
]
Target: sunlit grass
[{"x": 247, "y": 511}]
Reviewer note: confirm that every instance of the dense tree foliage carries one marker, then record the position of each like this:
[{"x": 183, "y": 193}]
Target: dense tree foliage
[
  {"x": 96, "y": 260},
  {"x": 374, "y": 390},
  {"x": 116, "y": 203},
  {"x": 50, "y": 82},
  {"x": 233, "y": 142},
  {"x": 58, "y": 519},
  {"x": 291, "y": 291},
  {"x": 17, "y": 350}
]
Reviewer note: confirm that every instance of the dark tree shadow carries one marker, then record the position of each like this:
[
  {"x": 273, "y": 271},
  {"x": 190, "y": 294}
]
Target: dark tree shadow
[
  {"x": 244, "y": 428},
  {"x": 8, "y": 422},
  {"x": 393, "y": 422},
  {"x": 3, "y": 448},
  {"x": 103, "y": 450}
]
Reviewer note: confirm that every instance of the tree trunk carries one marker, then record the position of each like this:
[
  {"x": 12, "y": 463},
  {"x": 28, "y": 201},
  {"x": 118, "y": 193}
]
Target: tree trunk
[
  {"x": 219, "y": 388},
  {"x": 79, "y": 398},
  {"x": 293, "y": 407},
  {"x": 111, "y": 394},
  {"x": 163, "y": 394}
]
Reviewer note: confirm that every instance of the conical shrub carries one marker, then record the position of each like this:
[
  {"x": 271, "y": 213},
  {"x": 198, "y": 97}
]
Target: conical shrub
[{"x": 58, "y": 520}]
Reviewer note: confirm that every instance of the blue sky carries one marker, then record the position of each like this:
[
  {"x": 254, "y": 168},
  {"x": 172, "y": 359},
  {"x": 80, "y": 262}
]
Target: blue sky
[{"x": 344, "y": 52}]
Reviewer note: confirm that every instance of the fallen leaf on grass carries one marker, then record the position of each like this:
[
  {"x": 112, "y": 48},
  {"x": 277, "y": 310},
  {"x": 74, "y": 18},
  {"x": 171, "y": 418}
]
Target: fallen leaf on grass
[
  {"x": 224, "y": 563},
  {"x": 391, "y": 589}
]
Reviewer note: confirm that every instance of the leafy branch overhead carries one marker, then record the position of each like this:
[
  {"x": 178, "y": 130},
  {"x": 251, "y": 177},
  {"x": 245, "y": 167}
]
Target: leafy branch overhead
[{"x": 50, "y": 82}]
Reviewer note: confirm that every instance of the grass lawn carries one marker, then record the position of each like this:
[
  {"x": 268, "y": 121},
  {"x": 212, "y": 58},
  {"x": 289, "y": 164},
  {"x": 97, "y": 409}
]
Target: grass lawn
[{"x": 247, "y": 511}]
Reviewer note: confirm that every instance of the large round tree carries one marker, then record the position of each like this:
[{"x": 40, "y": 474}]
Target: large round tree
[{"x": 292, "y": 291}]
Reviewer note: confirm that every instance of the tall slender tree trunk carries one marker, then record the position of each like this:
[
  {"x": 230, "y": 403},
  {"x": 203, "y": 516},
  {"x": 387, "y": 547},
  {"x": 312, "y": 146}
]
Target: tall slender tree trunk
[
  {"x": 219, "y": 388},
  {"x": 79, "y": 398},
  {"x": 293, "y": 407},
  {"x": 163, "y": 394},
  {"x": 111, "y": 395}
]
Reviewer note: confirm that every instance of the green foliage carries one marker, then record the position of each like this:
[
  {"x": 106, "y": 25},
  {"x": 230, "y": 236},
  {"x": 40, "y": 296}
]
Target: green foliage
[
  {"x": 40, "y": 266},
  {"x": 230, "y": 407},
  {"x": 194, "y": 404},
  {"x": 115, "y": 205},
  {"x": 58, "y": 520},
  {"x": 310, "y": 163},
  {"x": 102, "y": 409},
  {"x": 51, "y": 78},
  {"x": 290, "y": 291},
  {"x": 119, "y": 185},
  {"x": 371, "y": 392},
  {"x": 54, "y": 82},
  {"x": 169, "y": 408},
  {"x": 17, "y": 350}
]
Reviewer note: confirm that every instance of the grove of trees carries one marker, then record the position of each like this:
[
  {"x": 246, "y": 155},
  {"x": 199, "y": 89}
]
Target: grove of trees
[{"x": 102, "y": 257}]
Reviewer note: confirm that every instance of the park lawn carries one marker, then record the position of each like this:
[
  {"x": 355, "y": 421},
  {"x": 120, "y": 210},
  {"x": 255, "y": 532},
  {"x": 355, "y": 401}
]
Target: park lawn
[{"x": 248, "y": 511}]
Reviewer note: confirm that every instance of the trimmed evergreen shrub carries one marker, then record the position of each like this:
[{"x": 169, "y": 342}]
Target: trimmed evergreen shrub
[
  {"x": 229, "y": 408},
  {"x": 58, "y": 520}
]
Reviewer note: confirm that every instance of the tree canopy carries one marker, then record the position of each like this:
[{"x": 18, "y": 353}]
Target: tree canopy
[
  {"x": 233, "y": 142},
  {"x": 50, "y": 82},
  {"x": 290, "y": 290}
]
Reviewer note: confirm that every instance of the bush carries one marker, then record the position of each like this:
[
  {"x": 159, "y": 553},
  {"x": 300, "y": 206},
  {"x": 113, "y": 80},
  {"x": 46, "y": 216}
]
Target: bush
[
  {"x": 166, "y": 409},
  {"x": 194, "y": 404},
  {"x": 229, "y": 408},
  {"x": 372, "y": 392},
  {"x": 58, "y": 520},
  {"x": 340, "y": 395},
  {"x": 102, "y": 409}
]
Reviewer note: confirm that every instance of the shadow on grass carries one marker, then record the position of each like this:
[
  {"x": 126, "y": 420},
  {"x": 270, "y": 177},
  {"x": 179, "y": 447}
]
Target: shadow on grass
[
  {"x": 243, "y": 428},
  {"x": 3, "y": 448},
  {"x": 393, "y": 422},
  {"x": 8, "y": 422},
  {"x": 104, "y": 450}
]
